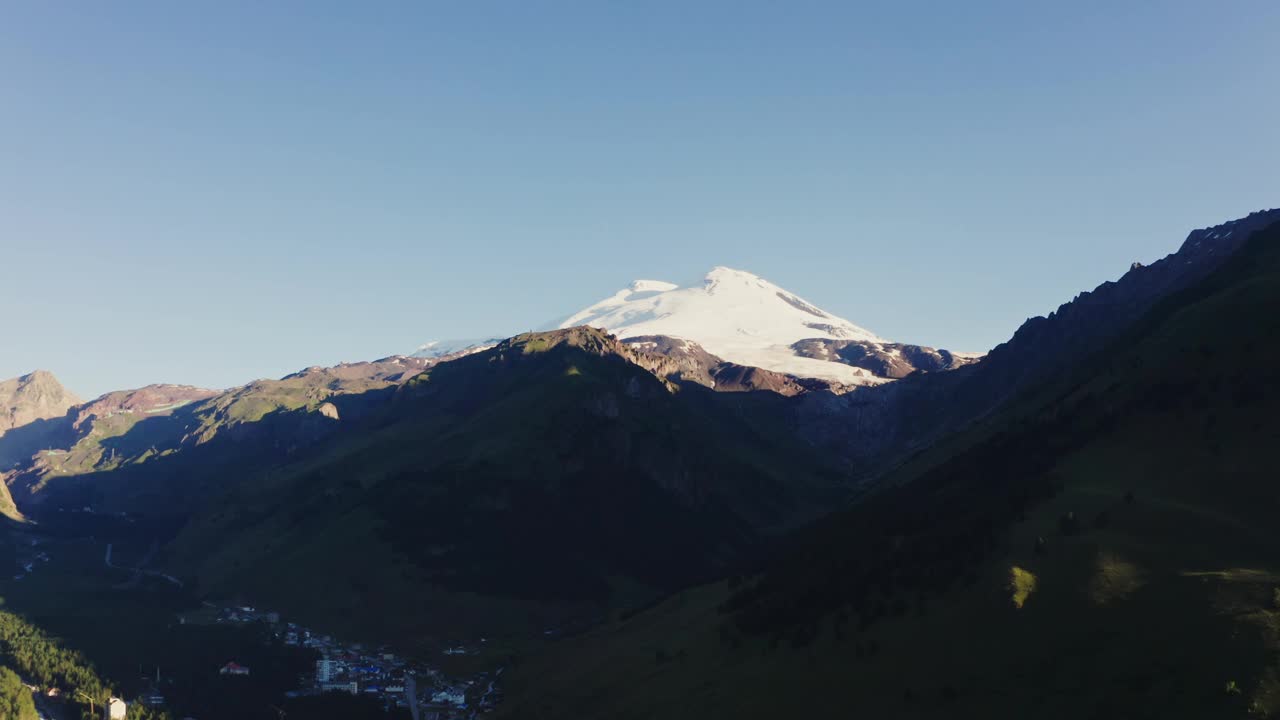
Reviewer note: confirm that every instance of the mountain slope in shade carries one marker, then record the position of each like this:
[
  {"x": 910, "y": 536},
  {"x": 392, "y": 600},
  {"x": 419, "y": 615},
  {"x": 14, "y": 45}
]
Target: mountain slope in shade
[
  {"x": 552, "y": 474},
  {"x": 1105, "y": 546},
  {"x": 876, "y": 427},
  {"x": 92, "y": 435},
  {"x": 745, "y": 319}
]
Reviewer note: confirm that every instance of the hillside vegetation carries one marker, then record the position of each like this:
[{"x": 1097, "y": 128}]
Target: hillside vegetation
[
  {"x": 160, "y": 450},
  {"x": 1105, "y": 547},
  {"x": 509, "y": 490}
]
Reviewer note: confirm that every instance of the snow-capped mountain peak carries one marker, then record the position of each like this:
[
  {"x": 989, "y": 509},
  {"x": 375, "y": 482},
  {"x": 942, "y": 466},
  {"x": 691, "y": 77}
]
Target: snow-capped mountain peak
[
  {"x": 739, "y": 318},
  {"x": 734, "y": 314}
]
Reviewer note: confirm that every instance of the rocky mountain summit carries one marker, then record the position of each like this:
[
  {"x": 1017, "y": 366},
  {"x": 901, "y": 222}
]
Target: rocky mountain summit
[
  {"x": 35, "y": 396},
  {"x": 746, "y": 320}
]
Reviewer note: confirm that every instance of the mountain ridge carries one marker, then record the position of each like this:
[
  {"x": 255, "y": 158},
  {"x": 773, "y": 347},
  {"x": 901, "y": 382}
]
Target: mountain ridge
[{"x": 877, "y": 427}]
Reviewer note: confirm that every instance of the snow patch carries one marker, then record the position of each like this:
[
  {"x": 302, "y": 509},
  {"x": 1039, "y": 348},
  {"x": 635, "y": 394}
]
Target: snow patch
[{"x": 440, "y": 348}]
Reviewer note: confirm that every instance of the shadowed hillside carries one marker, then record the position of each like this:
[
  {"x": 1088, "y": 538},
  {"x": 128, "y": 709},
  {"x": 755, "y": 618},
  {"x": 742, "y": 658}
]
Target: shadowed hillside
[
  {"x": 549, "y": 476},
  {"x": 877, "y": 427},
  {"x": 1105, "y": 547}
]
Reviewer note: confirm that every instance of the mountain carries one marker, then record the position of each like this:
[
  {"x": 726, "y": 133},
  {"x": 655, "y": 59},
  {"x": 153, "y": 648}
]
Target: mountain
[
  {"x": 88, "y": 436},
  {"x": 739, "y": 320},
  {"x": 557, "y": 474},
  {"x": 1104, "y": 545},
  {"x": 125, "y": 430},
  {"x": 550, "y": 477},
  {"x": 747, "y": 320},
  {"x": 877, "y": 427},
  {"x": 36, "y": 396},
  {"x": 31, "y": 408}
]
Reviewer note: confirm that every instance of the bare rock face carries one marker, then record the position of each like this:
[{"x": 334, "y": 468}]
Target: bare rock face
[
  {"x": 686, "y": 361},
  {"x": 37, "y": 396},
  {"x": 885, "y": 360},
  {"x": 328, "y": 410}
]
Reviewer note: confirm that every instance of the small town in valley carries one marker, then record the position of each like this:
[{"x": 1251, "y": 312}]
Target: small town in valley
[
  {"x": 391, "y": 679},
  {"x": 396, "y": 681}
]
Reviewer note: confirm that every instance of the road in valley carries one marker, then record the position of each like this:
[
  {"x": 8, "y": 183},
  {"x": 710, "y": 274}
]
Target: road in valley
[{"x": 138, "y": 570}]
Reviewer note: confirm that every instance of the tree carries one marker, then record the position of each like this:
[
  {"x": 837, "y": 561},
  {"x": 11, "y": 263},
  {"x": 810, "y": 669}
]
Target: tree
[{"x": 15, "y": 699}]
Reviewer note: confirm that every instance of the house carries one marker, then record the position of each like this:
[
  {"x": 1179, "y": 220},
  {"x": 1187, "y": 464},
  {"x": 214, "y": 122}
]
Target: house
[
  {"x": 450, "y": 696},
  {"x": 114, "y": 709},
  {"x": 233, "y": 668},
  {"x": 347, "y": 687}
]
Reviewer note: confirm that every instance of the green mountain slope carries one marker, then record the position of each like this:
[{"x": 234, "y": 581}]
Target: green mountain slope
[
  {"x": 550, "y": 476},
  {"x": 1105, "y": 547},
  {"x": 102, "y": 453}
]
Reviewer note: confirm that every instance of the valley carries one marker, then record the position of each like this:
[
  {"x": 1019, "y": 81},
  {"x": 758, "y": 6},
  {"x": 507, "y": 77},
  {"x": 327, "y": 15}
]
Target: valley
[
  {"x": 639, "y": 361},
  {"x": 576, "y": 523}
]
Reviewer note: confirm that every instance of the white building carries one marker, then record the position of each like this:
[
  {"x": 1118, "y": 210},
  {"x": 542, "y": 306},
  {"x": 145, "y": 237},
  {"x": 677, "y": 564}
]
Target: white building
[
  {"x": 114, "y": 709},
  {"x": 450, "y": 697},
  {"x": 324, "y": 670}
]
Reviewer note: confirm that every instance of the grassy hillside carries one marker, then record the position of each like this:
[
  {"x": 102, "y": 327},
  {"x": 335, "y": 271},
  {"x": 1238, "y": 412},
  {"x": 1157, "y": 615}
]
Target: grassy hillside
[
  {"x": 164, "y": 460},
  {"x": 1107, "y": 547},
  {"x": 508, "y": 491},
  {"x": 119, "y": 435},
  {"x": 78, "y": 625}
]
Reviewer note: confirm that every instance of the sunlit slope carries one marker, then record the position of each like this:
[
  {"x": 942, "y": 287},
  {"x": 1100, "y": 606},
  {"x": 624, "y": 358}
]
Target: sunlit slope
[
  {"x": 1108, "y": 547},
  {"x": 161, "y": 449}
]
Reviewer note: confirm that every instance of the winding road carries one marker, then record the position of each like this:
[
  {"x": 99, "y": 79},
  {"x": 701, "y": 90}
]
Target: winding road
[{"x": 138, "y": 570}]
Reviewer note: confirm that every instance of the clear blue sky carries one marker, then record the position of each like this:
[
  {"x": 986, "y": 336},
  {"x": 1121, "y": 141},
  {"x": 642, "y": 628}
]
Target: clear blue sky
[{"x": 208, "y": 193}]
